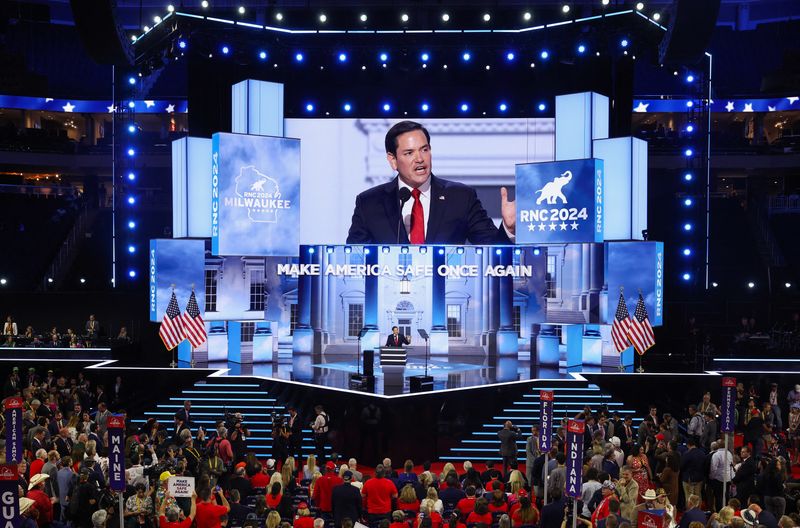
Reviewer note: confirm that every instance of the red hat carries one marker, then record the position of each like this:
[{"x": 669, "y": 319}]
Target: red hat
[
  {"x": 330, "y": 465},
  {"x": 302, "y": 506},
  {"x": 659, "y": 437}
]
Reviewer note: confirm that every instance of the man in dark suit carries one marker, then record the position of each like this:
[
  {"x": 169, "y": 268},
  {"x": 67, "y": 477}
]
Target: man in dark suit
[
  {"x": 294, "y": 425},
  {"x": 396, "y": 339},
  {"x": 745, "y": 476},
  {"x": 346, "y": 500},
  {"x": 508, "y": 446},
  {"x": 436, "y": 211},
  {"x": 185, "y": 413}
]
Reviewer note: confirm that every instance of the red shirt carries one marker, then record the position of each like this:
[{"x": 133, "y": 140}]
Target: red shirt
[
  {"x": 304, "y": 522},
  {"x": 502, "y": 508},
  {"x": 36, "y": 467},
  {"x": 43, "y": 505},
  {"x": 260, "y": 480},
  {"x": 466, "y": 505},
  {"x": 486, "y": 518},
  {"x": 208, "y": 514},
  {"x": 516, "y": 521},
  {"x": 273, "y": 502},
  {"x": 164, "y": 523},
  {"x": 378, "y": 494},
  {"x": 403, "y": 524},
  {"x": 323, "y": 490},
  {"x": 436, "y": 520},
  {"x": 408, "y": 506}
]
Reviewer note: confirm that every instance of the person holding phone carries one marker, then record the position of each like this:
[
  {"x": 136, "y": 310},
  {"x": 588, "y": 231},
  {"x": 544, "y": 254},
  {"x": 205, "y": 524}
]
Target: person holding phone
[{"x": 209, "y": 512}]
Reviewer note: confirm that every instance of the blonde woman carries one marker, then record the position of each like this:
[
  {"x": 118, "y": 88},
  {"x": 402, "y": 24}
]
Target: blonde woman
[
  {"x": 407, "y": 501},
  {"x": 273, "y": 519},
  {"x": 287, "y": 475},
  {"x": 314, "y": 478},
  {"x": 310, "y": 467},
  {"x": 426, "y": 479},
  {"x": 432, "y": 501},
  {"x": 516, "y": 482},
  {"x": 276, "y": 477},
  {"x": 446, "y": 471}
]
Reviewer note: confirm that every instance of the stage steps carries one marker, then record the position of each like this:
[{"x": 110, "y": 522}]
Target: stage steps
[
  {"x": 569, "y": 400},
  {"x": 212, "y": 397}
]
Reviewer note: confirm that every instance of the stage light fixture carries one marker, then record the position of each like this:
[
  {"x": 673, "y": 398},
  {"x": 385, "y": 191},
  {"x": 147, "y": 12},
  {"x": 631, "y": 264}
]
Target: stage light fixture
[
  {"x": 714, "y": 284},
  {"x": 488, "y": 67},
  {"x": 639, "y": 6},
  {"x": 156, "y": 19},
  {"x": 131, "y": 152},
  {"x": 688, "y": 153},
  {"x": 82, "y": 280},
  {"x": 544, "y": 54},
  {"x": 581, "y": 48},
  {"x": 311, "y": 250},
  {"x": 204, "y": 4},
  {"x": 537, "y": 252},
  {"x": 133, "y": 38},
  {"x": 3, "y": 281},
  {"x": 464, "y": 107},
  {"x": 131, "y": 200},
  {"x": 131, "y": 249},
  {"x": 182, "y": 44},
  {"x": 605, "y": 2},
  {"x": 279, "y": 16},
  {"x": 424, "y": 107},
  {"x": 225, "y": 50},
  {"x": 689, "y": 104},
  {"x": 527, "y": 16},
  {"x": 131, "y": 176},
  {"x": 131, "y": 128},
  {"x": 323, "y": 18},
  {"x": 241, "y": 10},
  {"x": 131, "y": 224},
  {"x": 298, "y": 57},
  {"x": 309, "y": 107},
  {"x": 690, "y": 128},
  {"x": 688, "y": 176},
  {"x": 656, "y": 16},
  {"x": 510, "y": 56},
  {"x": 687, "y": 227},
  {"x": 690, "y": 78},
  {"x": 132, "y": 274},
  {"x": 342, "y": 57},
  {"x": 404, "y": 249},
  {"x": 686, "y": 276},
  {"x": 502, "y": 107},
  {"x": 466, "y": 56},
  {"x": 50, "y": 280},
  {"x": 787, "y": 284},
  {"x": 424, "y": 57},
  {"x": 445, "y": 17},
  {"x": 687, "y": 252},
  {"x": 131, "y": 80},
  {"x": 487, "y": 17},
  {"x": 687, "y": 202},
  {"x": 542, "y": 107},
  {"x": 146, "y": 29},
  {"x": 498, "y": 251},
  {"x": 404, "y": 17},
  {"x": 170, "y": 8},
  {"x": 363, "y": 17},
  {"x": 423, "y": 250},
  {"x": 565, "y": 8},
  {"x": 623, "y": 43},
  {"x": 383, "y": 57},
  {"x": 346, "y": 107},
  {"x": 441, "y": 251},
  {"x": 386, "y": 107},
  {"x": 751, "y": 285},
  {"x": 131, "y": 104}
]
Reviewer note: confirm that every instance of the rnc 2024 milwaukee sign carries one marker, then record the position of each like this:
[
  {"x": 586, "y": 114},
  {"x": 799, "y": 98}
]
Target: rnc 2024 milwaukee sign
[
  {"x": 560, "y": 201},
  {"x": 255, "y": 195}
]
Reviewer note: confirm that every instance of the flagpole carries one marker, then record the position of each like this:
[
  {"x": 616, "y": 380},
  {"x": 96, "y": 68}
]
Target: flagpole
[
  {"x": 191, "y": 356},
  {"x": 636, "y": 352}
]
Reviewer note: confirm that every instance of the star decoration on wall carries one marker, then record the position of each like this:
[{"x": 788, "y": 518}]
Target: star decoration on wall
[
  {"x": 574, "y": 226},
  {"x": 541, "y": 227},
  {"x": 170, "y": 108},
  {"x": 68, "y": 107},
  {"x": 748, "y": 107},
  {"x": 531, "y": 227},
  {"x": 641, "y": 107},
  {"x": 149, "y": 103},
  {"x": 792, "y": 100},
  {"x": 48, "y": 99},
  {"x": 729, "y": 106},
  {"x": 111, "y": 109},
  {"x": 771, "y": 108}
]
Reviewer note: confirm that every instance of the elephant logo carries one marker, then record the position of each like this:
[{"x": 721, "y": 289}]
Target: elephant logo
[{"x": 552, "y": 191}]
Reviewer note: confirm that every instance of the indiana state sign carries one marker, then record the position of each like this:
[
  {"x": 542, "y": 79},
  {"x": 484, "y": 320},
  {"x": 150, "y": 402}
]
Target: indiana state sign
[{"x": 560, "y": 202}]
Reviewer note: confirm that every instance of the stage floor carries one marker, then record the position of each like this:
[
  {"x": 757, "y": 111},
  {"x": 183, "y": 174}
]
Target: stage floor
[{"x": 450, "y": 372}]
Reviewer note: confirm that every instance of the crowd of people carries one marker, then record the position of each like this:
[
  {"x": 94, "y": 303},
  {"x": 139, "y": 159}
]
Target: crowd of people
[
  {"x": 29, "y": 337},
  {"x": 677, "y": 468}
]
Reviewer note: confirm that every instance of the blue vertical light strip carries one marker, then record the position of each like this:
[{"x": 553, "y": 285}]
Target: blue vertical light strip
[
  {"x": 708, "y": 173},
  {"x": 599, "y": 201},
  {"x": 658, "y": 302},
  {"x": 215, "y": 194},
  {"x": 153, "y": 285}
]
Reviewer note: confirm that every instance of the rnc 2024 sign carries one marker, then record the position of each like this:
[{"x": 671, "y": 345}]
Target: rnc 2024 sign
[
  {"x": 560, "y": 201},
  {"x": 255, "y": 195}
]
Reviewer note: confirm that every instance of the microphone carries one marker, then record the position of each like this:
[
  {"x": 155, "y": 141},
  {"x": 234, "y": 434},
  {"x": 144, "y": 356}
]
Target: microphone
[{"x": 405, "y": 195}]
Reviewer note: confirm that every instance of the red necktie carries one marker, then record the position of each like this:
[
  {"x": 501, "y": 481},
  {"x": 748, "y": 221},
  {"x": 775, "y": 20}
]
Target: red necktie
[
  {"x": 395, "y": 340},
  {"x": 417, "y": 220}
]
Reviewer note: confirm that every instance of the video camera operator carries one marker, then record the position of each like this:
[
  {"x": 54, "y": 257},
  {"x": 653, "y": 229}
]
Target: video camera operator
[
  {"x": 238, "y": 437},
  {"x": 280, "y": 437}
]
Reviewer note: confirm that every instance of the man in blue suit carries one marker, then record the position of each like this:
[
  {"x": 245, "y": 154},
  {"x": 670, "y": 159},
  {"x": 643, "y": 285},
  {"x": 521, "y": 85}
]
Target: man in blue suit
[{"x": 433, "y": 211}]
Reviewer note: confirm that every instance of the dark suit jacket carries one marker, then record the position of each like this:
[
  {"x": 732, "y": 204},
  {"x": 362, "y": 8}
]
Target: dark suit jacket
[
  {"x": 345, "y": 502},
  {"x": 745, "y": 479},
  {"x": 456, "y": 215},
  {"x": 508, "y": 442},
  {"x": 402, "y": 340}
]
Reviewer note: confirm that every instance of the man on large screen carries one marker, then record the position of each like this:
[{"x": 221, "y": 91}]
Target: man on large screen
[{"x": 417, "y": 207}]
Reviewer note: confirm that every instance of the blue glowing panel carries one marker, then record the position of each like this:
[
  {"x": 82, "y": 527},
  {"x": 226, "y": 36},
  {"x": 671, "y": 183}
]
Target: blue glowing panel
[
  {"x": 580, "y": 118},
  {"x": 255, "y": 195},
  {"x": 625, "y": 163},
  {"x": 178, "y": 264},
  {"x": 560, "y": 201},
  {"x": 257, "y": 108},
  {"x": 634, "y": 267},
  {"x": 191, "y": 187}
]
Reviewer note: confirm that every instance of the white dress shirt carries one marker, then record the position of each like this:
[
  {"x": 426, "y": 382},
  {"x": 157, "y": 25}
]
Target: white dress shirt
[{"x": 721, "y": 461}]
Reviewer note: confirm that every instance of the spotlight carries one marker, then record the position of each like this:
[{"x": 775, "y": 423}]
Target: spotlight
[
  {"x": 544, "y": 54},
  {"x": 156, "y": 19},
  {"x": 131, "y": 152},
  {"x": 146, "y": 29},
  {"x": 131, "y": 224},
  {"x": 689, "y": 104},
  {"x": 623, "y": 43},
  {"x": 503, "y": 107},
  {"x": 487, "y": 17},
  {"x": 441, "y": 251},
  {"x": 131, "y": 200},
  {"x": 687, "y": 227},
  {"x": 526, "y": 16},
  {"x": 182, "y": 44},
  {"x": 131, "y": 176},
  {"x": 605, "y": 2},
  {"x": 751, "y": 285},
  {"x": 714, "y": 284},
  {"x": 639, "y": 6},
  {"x": 323, "y": 18},
  {"x": 788, "y": 284},
  {"x": 241, "y": 10},
  {"x": 131, "y": 249},
  {"x": 688, "y": 153},
  {"x": 688, "y": 202},
  {"x": 204, "y": 4},
  {"x": 363, "y": 17},
  {"x": 537, "y": 252},
  {"x": 50, "y": 280},
  {"x": 690, "y": 78},
  {"x": 510, "y": 56},
  {"x": 83, "y": 281},
  {"x": 132, "y": 273},
  {"x": 262, "y": 55},
  {"x": 424, "y": 107},
  {"x": 445, "y": 17},
  {"x": 386, "y": 107},
  {"x": 171, "y": 8},
  {"x": 466, "y": 56},
  {"x": 688, "y": 176},
  {"x": 131, "y": 104},
  {"x": 3, "y": 281},
  {"x": 131, "y": 128},
  {"x": 581, "y": 48},
  {"x": 383, "y": 57},
  {"x": 464, "y": 107},
  {"x": 346, "y": 107},
  {"x": 131, "y": 80},
  {"x": 309, "y": 107},
  {"x": 404, "y": 17},
  {"x": 278, "y": 16},
  {"x": 656, "y": 16},
  {"x": 565, "y": 9},
  {"x": 687, "y": 252},
  {"x": 424, "y": 57},
  {"x": 225, "y": 50},
  {"x": 690, "y": 128},
  {"x": 298, "y": 57},
  {"x": 542, "y": 107},
  {"x": 342, "y": 57},
  {"x": 686, "y": 276}
]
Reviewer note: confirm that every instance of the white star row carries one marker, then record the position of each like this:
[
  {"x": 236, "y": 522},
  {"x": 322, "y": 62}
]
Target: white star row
[{"x": 553, "y": 225}]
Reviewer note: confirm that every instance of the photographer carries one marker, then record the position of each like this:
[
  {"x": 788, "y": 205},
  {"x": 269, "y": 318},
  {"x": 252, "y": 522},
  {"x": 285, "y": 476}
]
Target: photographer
[
  {"x": 508, "y": 446},
  {"x": 320, "y": 427},
  {"x": 280, "y": 437},
  {"x": 238, "y": 439}
]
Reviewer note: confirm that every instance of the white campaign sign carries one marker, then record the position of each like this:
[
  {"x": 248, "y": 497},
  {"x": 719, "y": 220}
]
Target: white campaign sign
[{"x": 181, "y": 486}]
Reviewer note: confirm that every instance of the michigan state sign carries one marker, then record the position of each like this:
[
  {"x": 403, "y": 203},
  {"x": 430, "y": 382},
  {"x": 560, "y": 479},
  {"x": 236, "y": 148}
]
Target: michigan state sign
[
  {"x": 255, "y": 195},
  {"x": 560, "y": 202}
]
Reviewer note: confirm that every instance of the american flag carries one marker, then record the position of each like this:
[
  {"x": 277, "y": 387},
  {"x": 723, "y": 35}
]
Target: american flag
[
  {"x": 621, "y": 325},
  {"x": 640, "y": 331},
  {"x": 193, "y": 324},
  {"x": 171, "y": 330}
]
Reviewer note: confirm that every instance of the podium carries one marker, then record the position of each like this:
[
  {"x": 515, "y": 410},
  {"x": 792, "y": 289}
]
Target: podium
[{"x": 393, "y": 356}]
